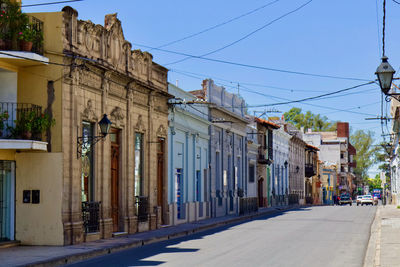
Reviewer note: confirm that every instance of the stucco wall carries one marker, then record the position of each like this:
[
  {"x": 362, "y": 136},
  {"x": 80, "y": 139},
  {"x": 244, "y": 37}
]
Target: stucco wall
[{"x": 39, "y": 224}]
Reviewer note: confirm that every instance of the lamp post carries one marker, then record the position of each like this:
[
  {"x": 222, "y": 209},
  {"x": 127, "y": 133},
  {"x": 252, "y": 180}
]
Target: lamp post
[
  {"x": 385, "y": 73},
  {"x": 89, "y": 141}
]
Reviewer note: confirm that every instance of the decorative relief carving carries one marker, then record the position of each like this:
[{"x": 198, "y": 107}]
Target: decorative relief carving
[
  {"x": 117, "y": 116},
  {"x": 139, "y": 125},
  {"x": 162, "y": 132},
  {"x": 91, "y": 80},
  {"x": 88, "y": 112}
]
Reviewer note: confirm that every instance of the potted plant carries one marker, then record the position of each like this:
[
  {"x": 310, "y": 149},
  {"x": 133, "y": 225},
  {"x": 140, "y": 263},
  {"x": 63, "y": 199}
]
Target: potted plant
[
  {"x": 26, "y": 37},
  {"x": 12, "y": 22},
  {"x": 23, "y": 125},
  {"x": 41, "y": 124},
  {"x": 3, "y": 118}
]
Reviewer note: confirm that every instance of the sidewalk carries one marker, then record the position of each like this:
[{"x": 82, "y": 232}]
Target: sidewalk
[
  {"x": 384, "y": 244},
  {"x": 59, "y": 255}
]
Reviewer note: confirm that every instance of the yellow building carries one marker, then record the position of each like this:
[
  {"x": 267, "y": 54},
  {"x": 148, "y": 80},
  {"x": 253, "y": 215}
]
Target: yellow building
[{"x": 62, "y": 188}]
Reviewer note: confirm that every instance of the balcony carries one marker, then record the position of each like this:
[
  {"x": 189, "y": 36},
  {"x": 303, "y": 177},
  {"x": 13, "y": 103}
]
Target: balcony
[
  {"x": 22, "y": 125},
  {"x": 262, "y": 158},
  {"x": 310, "y": 169},
  {"x": 142, "y": 208},
  {"x": 21, "y": 37},
  {"x": 90, "y": 216}
]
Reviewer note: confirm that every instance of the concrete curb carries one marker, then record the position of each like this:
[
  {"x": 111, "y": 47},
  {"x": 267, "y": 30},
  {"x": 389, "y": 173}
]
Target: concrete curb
[
  {"x": 370, "y": 254},
  {"x": 80, "y": 256}
]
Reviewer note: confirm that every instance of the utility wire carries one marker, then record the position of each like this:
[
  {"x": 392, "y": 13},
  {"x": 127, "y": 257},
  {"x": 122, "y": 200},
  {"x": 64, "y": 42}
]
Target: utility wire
[
  {"x": 396, "y": 2},
  {"x": 313, "y": 97},
  {"x": 218, "y": 25},
  {"x": 52, "y": 3},
  {"x": 253, "y": 66},
  {"x": 187, "y": 73},
  {"x": 244, "y": 88},
  {"x": 244, "y": 37},
  {"x": 35, "y": 60}
]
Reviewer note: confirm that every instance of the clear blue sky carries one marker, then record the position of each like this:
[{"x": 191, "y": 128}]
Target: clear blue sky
[{"x": 335, "y": 38}]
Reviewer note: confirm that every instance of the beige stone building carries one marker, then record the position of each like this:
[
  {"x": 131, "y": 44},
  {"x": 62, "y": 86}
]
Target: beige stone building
[{"x": 87, "y": 191}]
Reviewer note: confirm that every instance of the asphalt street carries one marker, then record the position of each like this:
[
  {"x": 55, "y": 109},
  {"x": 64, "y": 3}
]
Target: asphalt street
[{"x": 312, "y": 236}]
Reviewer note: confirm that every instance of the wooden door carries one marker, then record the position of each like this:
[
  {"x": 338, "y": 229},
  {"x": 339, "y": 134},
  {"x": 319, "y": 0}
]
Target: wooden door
[
  {"x": 114, "y": 136},
  {"x": 260, "y": 193},
  {"x": 160, "y": 175}
]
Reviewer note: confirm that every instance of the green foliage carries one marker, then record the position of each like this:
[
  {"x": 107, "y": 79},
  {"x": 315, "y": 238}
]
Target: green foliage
[
  {"x": 381, "y": 156},
  {"x": 33, "y": 122},
  {"x": 365, "y": 157},
  {"x": 374, "y": 183},
  {"x": 3, "y": 117},
  {"x": 309, "y": 120}
]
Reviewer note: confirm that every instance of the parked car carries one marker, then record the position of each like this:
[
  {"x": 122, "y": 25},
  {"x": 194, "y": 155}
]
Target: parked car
[
  {"x": 367, "y": 200},
  {"x": 358, "y": 200},
  {"x": 345, "y": 199}
]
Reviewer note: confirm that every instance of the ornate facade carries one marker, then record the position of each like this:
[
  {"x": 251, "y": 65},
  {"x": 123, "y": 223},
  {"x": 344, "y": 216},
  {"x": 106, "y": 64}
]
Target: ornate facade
[{"x": 124, "y": 176}]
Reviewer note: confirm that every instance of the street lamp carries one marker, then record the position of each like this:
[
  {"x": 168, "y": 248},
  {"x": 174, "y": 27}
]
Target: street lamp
[
  {"x": 385, "y": 76},
  {"x": 89, "y": 141}
]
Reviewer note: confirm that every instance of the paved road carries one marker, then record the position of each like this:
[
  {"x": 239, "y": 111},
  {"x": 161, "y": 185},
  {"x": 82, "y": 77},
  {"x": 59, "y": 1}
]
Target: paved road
[{"x": 315, "y": 236}]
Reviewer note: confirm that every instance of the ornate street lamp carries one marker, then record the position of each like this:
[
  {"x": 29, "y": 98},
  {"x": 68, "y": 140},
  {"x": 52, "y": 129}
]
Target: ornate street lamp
[
  {"x": 90, "y": 141},
  {"x": 385, "y": 74}
]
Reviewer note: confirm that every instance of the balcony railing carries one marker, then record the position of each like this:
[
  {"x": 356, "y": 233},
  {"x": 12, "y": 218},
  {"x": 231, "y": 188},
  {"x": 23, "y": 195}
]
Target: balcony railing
[
  {"x": 142, "y": 208},
  {"x": 248, "y": 205},
  {"x": 12, "y": 121},
  {"x": 91, "y": 216},
  {"x": 310, "y": 169}
]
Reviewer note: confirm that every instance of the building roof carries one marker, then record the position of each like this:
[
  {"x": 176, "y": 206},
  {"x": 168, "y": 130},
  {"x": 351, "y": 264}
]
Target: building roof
[
  {"x": 312, "y": 147},
  {"x": 267, "y": 123}
]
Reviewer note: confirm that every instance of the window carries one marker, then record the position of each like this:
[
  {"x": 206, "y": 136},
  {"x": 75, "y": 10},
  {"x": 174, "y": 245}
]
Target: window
[
  {"x": 138, "y": 164},
  {"x": 218, "y": 170},
  {"x": 87, "y": 179},
  {"x": 251, "y": 173},
  {"x": 178, "y": 193},
  {"x": 341, "y": 155},
  {"x": 198, "y": 186}
]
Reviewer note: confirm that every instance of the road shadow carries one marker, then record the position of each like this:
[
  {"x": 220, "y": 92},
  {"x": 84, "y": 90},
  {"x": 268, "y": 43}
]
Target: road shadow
[{"x": 139, "y": 256}]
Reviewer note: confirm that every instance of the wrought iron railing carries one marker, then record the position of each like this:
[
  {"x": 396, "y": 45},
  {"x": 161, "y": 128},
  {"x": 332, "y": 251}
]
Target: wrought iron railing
[
  {"x": 293, "y": 199},
  {"x": 15, "y": 118},
  {"x": 248, "y": 205},
  {"x": 91, "y": 216},
  {"x": 142, "y": 208}
]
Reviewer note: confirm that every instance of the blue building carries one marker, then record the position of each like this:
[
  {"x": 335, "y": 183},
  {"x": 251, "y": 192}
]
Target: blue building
[
  {"x": 188, "y": 159},
  {"x": 228, "y": 148}
]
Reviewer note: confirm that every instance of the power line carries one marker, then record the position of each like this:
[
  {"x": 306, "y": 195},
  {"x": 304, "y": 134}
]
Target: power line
[
  {"x": 396, "y": 2},
  {"x": 377, "y": 26},
  {"x": 218, "y": 25},
  {"x": 280, "y": 98},
  {"x": 313, "y": 97},
  {"x": 246, "y": 36},
  {"x": 253, "y": 66},
  {"x": 35, "y": 60},
  {"x": 200, "y": 76},
  {"x": 52, "y": 3}
]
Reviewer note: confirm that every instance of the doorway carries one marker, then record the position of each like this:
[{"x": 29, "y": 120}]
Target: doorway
[
  {"x": 7, "y": 200},
  {"x": 160, "y": 176},
  {"x": 260, "y": 192},
  {"x": 115, "y": 157}
]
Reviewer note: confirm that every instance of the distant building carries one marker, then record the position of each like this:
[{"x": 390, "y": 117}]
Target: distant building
[
  {"x": 188, "y": 159},
  {"x": 265, "y": 160}
]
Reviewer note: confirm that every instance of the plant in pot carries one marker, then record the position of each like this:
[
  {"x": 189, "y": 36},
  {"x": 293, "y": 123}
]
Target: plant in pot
[
  {"x": 3, "y": 118},
  {"x": 23, "y": 125},
  {"x": 41, "y": 124},
  {"x": 14, "y": 23},
  {"x": 26, "y": 37}
]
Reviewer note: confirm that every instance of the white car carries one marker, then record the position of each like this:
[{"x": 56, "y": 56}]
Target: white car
[
  {"x": 367, "y": 200},
  {"x": 358, "y": 200}
]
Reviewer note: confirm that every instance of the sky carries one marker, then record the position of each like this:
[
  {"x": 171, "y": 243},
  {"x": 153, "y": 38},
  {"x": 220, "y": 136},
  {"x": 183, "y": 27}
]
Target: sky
[{"x": 338, "y": 38}]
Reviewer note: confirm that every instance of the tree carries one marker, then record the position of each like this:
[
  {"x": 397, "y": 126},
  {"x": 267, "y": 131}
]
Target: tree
[
  {"x": 365, "y": 157},
  {"x": 309, "y": 120},
  {"x": 374, "y": 183}
]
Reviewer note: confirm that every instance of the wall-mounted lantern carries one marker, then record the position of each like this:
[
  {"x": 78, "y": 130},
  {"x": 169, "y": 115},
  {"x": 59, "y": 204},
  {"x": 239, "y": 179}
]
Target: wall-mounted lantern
[{"x": 89, "y": 141}]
